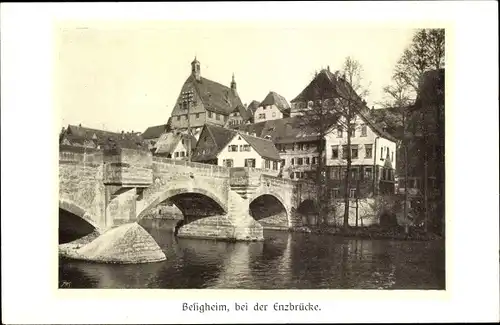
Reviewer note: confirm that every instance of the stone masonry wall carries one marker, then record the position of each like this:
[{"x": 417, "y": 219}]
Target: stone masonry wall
[{"x": 80, "y": 180}]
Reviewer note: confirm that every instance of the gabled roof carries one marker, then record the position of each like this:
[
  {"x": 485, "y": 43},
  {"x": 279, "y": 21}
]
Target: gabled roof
[
  {"x": 276, "y": 99},
  {"x": 103, "y": 138},
  {"x": 169, "y": 141},
  {"x": 221, "y": 137},
  {"x": 245, "y": 115},
  {"x": 215, "y": 97},
  {"x": 156, "y": 131},
  {"x": 265, "y": 148},
  {"x": 253, "y": 107}
]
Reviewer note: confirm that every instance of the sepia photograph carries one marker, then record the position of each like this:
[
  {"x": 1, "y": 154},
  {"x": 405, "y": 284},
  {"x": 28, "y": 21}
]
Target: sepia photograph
[
  {"x": 250, "y": 162},
  {"x": 250, "y": 156}
]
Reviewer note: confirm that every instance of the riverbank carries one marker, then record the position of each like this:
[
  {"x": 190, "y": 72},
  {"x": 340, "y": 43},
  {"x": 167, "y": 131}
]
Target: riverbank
[{"x": 373, "y": 232}]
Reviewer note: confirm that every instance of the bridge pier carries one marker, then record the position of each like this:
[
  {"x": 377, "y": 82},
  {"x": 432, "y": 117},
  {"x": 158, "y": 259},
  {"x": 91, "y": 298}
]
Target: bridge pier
[
  {"x": 221, "y": 227},
  {"x": 125, "y": 244}
]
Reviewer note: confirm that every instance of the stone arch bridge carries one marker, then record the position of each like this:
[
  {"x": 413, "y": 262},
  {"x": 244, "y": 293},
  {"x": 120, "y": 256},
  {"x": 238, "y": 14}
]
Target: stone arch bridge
[{"x": 109, "y": 188}]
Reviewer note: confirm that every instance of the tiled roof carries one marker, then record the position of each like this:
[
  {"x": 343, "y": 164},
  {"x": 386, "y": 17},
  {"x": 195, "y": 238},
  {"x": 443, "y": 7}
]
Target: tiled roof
[
  {"x": 253, "y": 107},
  {"x": 221, "y": 137},
  {"x": 245, "y": 115},
  {"x": 105, "y": 138},
  {"x": 169, "y": 141},
  {"x": 332, "y": 86},
  {"x": 156, "y": 131},
  {"x": 216, "y": 98},
  {"x": 285, "y": 130},
  {"x": 276, "y": 99},
  {"x": 265, "y": 148}
]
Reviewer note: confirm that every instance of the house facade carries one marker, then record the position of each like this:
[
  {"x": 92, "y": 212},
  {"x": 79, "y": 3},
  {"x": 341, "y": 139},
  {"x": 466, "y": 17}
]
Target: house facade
[
  {"x": 209, "y": 102},
  {"x": 238, "y": 116},
  {"x": 273, "y": 107},
  {"x": 231, "y": 148},
  {"x": 373, "y": 150},
  {"x": 174, "y": 145},
  {"x": 297, "y": 145},
  {"x": 153, "y": 133},
  {"x": 373, "y": 158}
]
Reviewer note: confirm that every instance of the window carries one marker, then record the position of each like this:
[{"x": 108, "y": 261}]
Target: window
[
  {"x": 233, "y": 148},
  {"x": 335, "y": 173},
  {"x": 363, "y": 130},
  {"x": 267, "y": 164},
  {"x": 250, "y": 162},
  {"x": 291, "y": 176},
  {"x": 274, "y": 114},
  {"x": 307, "y": 161},
  {"x": 245, "y": 147},
  {"x": 210, "y": 114},
  {"x": 352, "y": 130},
  {"x": 275, "y": 165},
  {"x": 392, "y": 156},
  {"x": 186, "y": 117},
  {"x": 283, "y": 162},
  {"x": 217, "y": 116},
  {"x": 354, "y": 173},
  {"x": 299, "y": 161},
  {"x": 197, "y": 115},
  {"x": 227, "y": 162},
  {"x": 225, "y": 118},
  {"x": 297, "y": 175},
  {"x": 315, "y": 160},
  {"x": 176, "y": 154},
  {"x": 352, "y": 193},
  {"x": 178, "y": 117},
  {"x": 368, "y": 172},
  {"x": 335, "y": 152},
  {"x": 183, "y": 153},
  {"x": 310, "y": 104},
  {"x": 262, "y": 116},
  {"x": 335, "y": 193},
  {"x": 306, "y": 146},
  {"x": 381, "y": 153},
  {"x": 339, "y": 132},
  {"x": 354, "y": 151},
  {"x": 368, "y": 150},
  {"x": 344, "y": 152}
]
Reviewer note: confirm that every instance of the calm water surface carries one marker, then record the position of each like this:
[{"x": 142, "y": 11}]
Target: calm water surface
[{"x": 283, "y": 261}]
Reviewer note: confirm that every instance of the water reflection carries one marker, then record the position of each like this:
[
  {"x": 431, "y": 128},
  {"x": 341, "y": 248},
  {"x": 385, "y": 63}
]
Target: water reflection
[{"x": 282, "y": 261}]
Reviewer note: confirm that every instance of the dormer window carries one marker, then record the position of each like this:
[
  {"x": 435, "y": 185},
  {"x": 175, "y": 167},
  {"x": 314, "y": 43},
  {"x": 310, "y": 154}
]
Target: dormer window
[{"x": 267, "y": 137}]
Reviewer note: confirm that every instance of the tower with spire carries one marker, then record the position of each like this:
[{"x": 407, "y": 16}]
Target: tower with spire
[
  {"x": 233, "y": 85},
  {"x": 195, "y": 69}
]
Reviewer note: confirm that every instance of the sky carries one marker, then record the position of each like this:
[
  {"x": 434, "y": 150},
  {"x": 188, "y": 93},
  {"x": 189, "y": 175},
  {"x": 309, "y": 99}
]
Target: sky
[{"x": 127, "y": 76}]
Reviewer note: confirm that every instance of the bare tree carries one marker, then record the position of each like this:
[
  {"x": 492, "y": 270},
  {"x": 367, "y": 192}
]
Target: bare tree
[
  {"x": 318, "y": 118},
  {"x": 348, "y": 104},
  {"x": 426, "y": 52},
  {"x": 398, "y": 99}
]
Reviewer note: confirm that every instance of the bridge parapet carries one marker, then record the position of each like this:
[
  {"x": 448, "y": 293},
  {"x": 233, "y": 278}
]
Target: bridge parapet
[
  {"x": 123, "y": 166},
  {"x": 184, "y": 167}
]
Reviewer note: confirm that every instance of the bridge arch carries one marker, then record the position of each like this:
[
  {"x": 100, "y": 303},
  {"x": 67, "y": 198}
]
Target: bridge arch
[
  {"x": 308, "y": 210},
  {"x": 270, "y": 210},
  {"x": 78, "y": 211},
  {"x": 74, "y": 222},
  {"x": 176, "y": 195}
]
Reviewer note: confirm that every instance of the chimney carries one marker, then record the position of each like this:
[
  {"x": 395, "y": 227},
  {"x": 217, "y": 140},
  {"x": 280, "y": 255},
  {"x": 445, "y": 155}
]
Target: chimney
[
  {"x": 328, "y": 68},
  {"x": 80, "y": 125},
  {"x": 373, "y": 107}
]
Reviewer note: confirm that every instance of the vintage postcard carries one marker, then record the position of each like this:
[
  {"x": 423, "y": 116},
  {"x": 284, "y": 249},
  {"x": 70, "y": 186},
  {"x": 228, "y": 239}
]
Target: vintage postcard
[{"x": 267, "y": 158}]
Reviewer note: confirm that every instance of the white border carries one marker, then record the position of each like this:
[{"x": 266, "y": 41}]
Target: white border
[{"x": 29, "y": 166}]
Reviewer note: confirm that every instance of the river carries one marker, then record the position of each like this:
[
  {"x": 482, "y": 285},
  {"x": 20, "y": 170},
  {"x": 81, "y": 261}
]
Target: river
[{"x": 283, "y": 261}]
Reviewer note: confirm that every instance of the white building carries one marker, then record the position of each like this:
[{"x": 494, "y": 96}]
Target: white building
[
  {"x": 230, "y": 148},
  {"x": 273, "y": 107}
]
